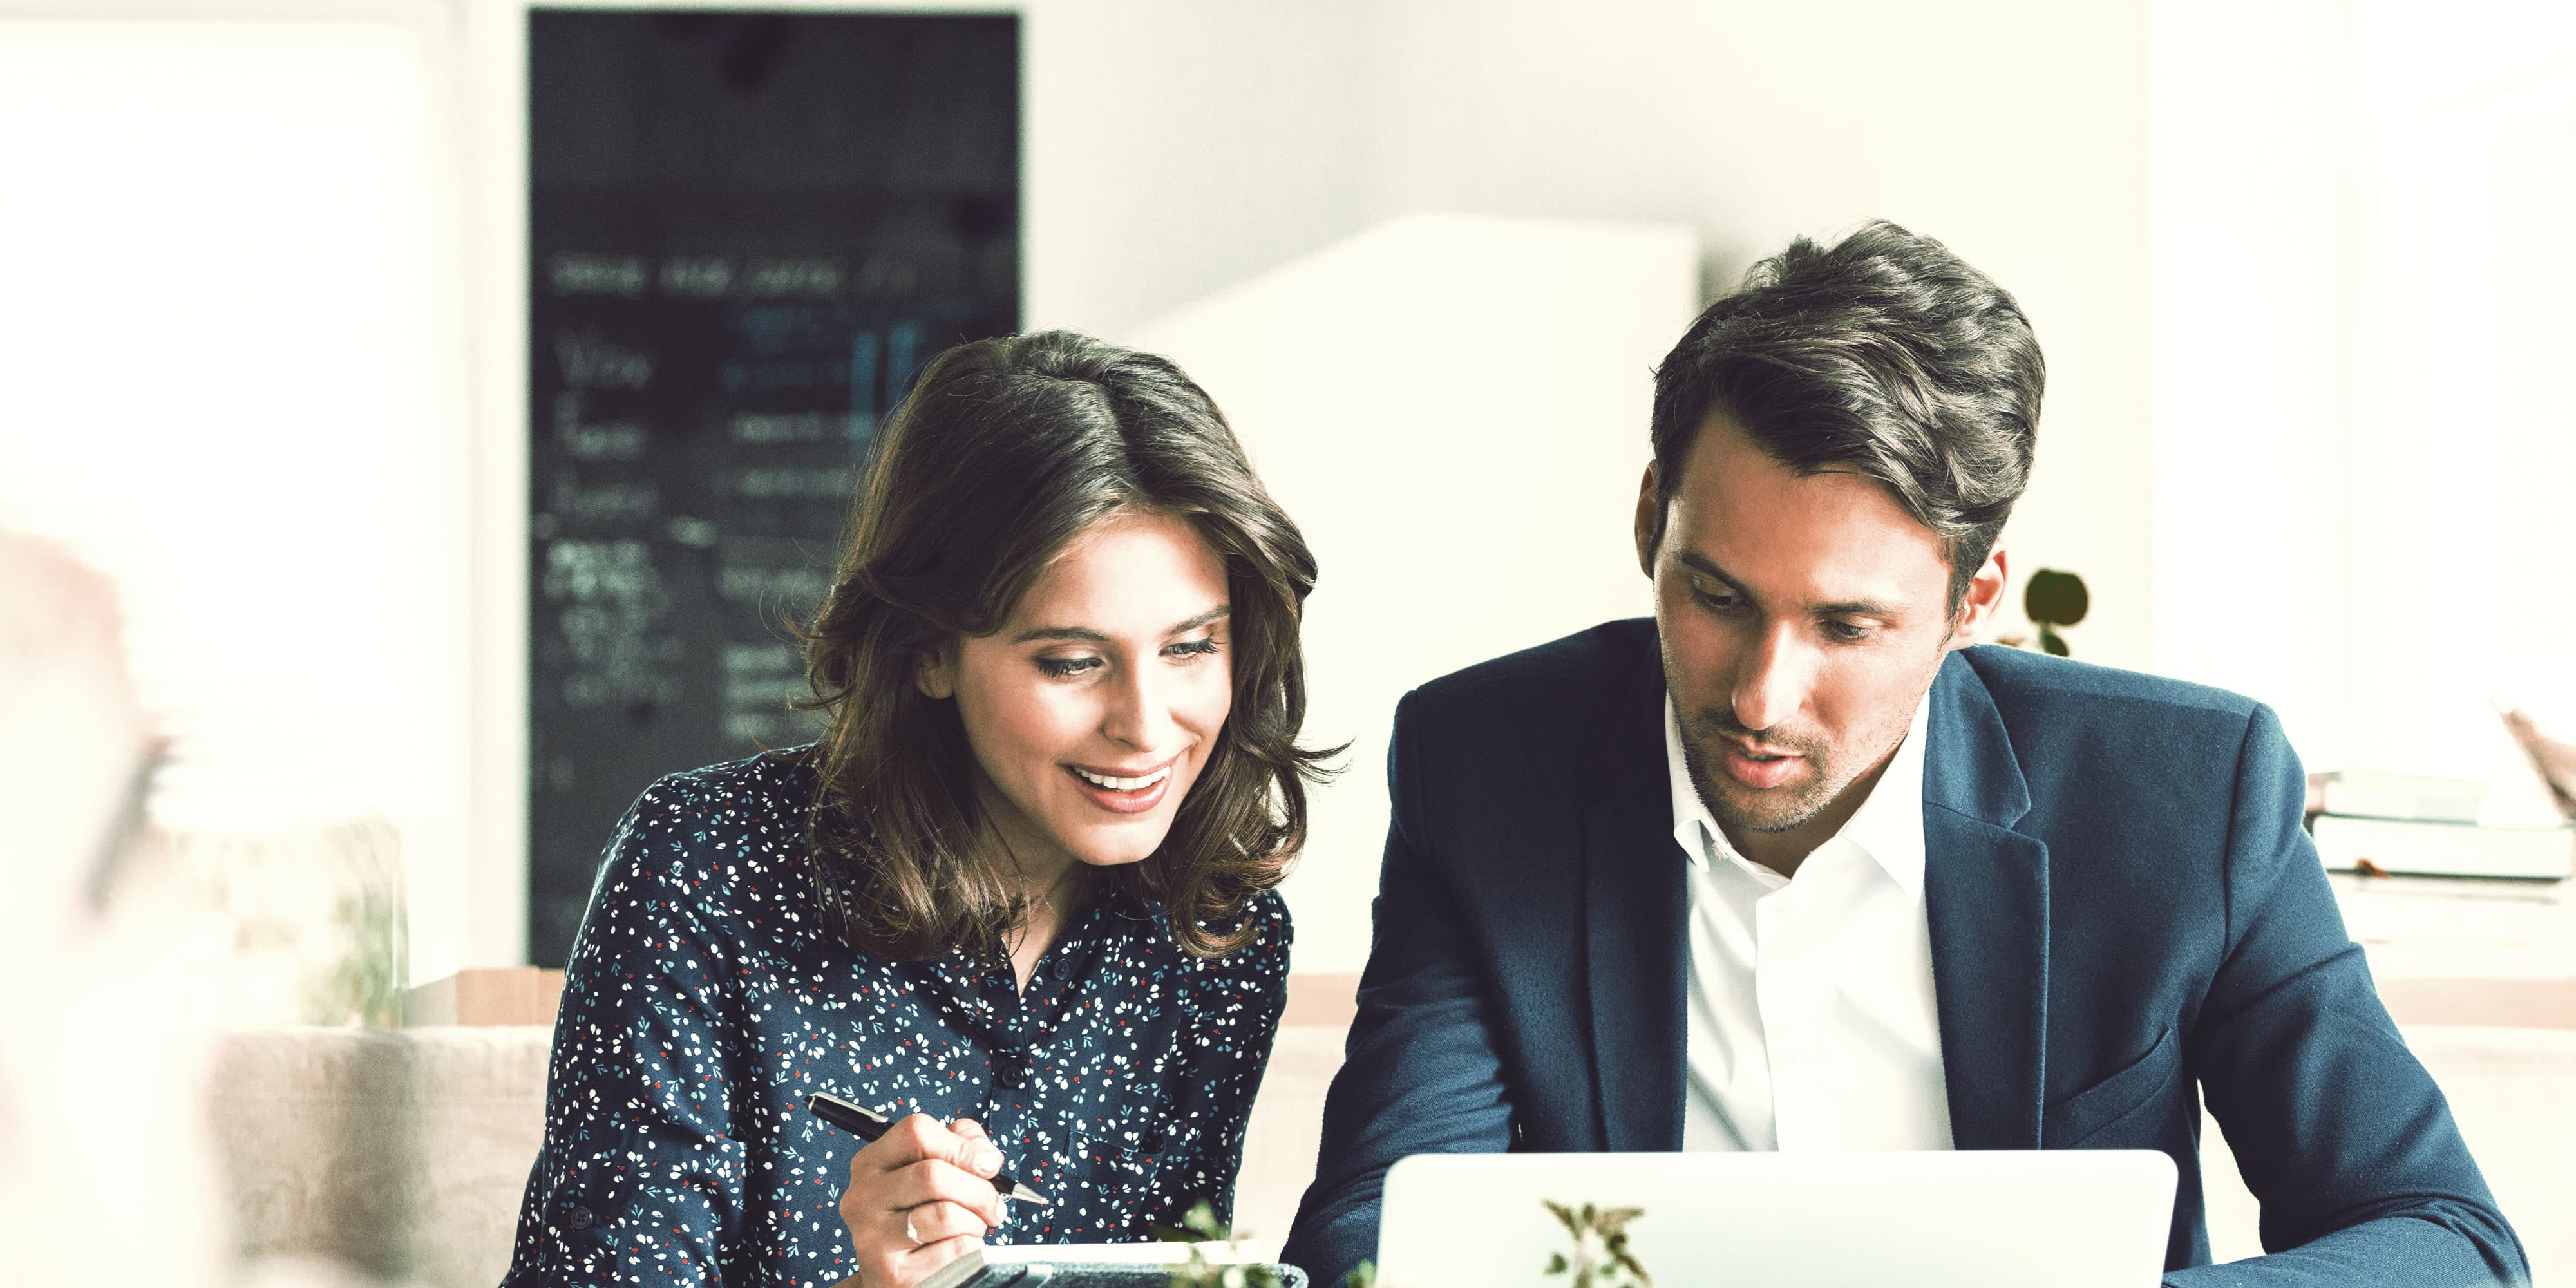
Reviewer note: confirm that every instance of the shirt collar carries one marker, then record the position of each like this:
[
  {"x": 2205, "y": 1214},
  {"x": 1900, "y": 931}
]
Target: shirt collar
[
  {"x": 1888, "y": 826},
  {"x": 1693, "y": 828}
]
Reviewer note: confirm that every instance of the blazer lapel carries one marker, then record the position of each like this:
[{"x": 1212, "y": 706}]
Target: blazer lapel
[
  {"x": 1635, "y": 925},
  {"x": 1985, "y": 890}
]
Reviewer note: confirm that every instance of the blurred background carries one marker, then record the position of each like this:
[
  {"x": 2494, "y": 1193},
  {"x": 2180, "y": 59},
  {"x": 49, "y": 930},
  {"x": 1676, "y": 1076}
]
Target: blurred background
[
  {"x": 459, "y": 396},
  {"x": 432, "y": 412}
]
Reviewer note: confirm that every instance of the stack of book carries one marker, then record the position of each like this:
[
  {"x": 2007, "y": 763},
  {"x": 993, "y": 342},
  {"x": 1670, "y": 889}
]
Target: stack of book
[{"x": 2400, "y": 824}]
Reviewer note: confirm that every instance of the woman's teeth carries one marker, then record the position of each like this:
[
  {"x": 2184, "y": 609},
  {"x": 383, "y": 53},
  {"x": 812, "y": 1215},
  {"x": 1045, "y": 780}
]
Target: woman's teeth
[{"x": 1122, "y": 784}]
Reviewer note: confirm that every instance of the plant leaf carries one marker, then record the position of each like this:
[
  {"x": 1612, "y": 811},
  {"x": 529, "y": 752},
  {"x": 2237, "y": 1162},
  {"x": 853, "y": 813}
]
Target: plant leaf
[
  {"x": 1623, "y": 1261},
  {"x": 1565, "y": 1216},
  {"x": 1202, "y": 1218},
  {"x": 2053, "y": 598}
]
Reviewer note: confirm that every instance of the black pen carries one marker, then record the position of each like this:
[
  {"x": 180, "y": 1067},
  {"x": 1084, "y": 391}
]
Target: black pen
[{"x": 866, "y": 1125}]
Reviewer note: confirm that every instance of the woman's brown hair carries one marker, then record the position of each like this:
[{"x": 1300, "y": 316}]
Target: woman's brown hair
[{"x": 1005, "y": 451}]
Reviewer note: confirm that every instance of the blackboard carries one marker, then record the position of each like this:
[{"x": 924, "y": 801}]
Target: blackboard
[{"x": 747, "y": 232}]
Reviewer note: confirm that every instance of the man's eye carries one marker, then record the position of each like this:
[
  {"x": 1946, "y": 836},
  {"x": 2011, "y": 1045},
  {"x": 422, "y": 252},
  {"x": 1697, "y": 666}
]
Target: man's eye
[
  {"x": 1061, "y": 667},
  {"x": 1720, "y": 599},
  {"x": 1847, "y": 632}
]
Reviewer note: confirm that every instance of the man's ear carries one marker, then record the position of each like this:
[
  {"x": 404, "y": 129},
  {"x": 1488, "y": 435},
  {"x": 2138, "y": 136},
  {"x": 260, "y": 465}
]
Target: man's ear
[
  {"x": 1650, "y": 517},
  {"x": 1984, "y": 598},
  {"x": 935, "y": 672}
]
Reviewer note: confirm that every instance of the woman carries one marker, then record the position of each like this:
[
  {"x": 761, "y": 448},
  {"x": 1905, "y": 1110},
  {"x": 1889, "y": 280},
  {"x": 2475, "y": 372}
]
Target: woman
[{"x": 1020, "y": 895}]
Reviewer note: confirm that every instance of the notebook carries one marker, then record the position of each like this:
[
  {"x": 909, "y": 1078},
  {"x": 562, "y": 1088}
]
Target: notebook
[{"x": 1096, "y": 1265}]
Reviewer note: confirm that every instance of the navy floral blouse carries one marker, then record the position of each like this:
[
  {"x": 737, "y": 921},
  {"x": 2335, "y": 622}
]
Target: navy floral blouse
[{"x": 707, "y": 996}]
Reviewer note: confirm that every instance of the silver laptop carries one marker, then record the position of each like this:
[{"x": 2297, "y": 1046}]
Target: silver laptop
[{"x": 1977, "y": 1219}]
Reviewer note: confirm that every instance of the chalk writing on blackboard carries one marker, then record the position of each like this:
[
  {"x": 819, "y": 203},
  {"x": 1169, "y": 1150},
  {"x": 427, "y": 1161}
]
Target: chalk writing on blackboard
[
  {"x": 731, "y": 286},
  {"x": 621, "y": 275},
  {"x": 609, "y": 603},
  {"x": 591, "y": 361}
]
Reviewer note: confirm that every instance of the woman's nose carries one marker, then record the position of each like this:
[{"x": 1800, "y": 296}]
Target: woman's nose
[{"x": 1138, "y": 716}]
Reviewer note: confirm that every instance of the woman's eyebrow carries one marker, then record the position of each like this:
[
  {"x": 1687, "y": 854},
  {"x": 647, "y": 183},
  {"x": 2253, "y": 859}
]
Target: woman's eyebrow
[
  {"x": 1077, "y": 634},
  {"x": 1086, "y": 635},
  {"x": 1213, "y": 614}
]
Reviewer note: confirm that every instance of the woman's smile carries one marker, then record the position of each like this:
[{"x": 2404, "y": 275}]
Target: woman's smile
[{"x": 1124, "y": 791}]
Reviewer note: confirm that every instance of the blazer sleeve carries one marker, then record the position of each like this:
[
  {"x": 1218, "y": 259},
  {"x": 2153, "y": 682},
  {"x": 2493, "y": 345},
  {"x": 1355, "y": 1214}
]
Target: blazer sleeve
[
  {"x": 2337, "y": 1129},
  {"x": 1421, "y": 1073},
  {"x": 639, "y": 1178}
]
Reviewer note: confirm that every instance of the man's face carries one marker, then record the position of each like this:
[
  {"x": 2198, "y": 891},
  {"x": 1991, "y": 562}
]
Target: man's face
[{"x": 1802, "y": 618}]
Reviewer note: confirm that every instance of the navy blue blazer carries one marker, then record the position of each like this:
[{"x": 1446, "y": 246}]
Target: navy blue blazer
[{"x": 2125, "y": 916}]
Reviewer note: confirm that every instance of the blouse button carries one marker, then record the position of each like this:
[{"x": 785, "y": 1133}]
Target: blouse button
[
  {"x": 581, "y": 1218},
  {"x": 1010, "y": 1069}
]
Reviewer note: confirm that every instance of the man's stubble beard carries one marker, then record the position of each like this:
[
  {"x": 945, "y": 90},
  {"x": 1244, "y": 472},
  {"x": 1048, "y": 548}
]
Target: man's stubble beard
[{"x": 1788, "y": 812}]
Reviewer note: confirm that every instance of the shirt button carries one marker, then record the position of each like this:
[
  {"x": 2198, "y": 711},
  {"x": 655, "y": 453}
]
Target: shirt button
[{"x": 581, "y": 1218}]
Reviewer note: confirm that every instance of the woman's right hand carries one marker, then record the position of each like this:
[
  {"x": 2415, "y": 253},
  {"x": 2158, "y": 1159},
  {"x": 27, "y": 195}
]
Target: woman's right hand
[{"x": 919, "y": 1197}]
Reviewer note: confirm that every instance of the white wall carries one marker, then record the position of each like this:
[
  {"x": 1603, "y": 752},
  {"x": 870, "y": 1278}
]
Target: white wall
[
  {"x": 2013, "y": 130},
  {"x": 1175, "y": 147},
  {"x": 2249, "y": 246},
  {"x": 230, "y": 379},
  {"x": 2461, "y": 442},
  {"x": 2361, "y": 439},
  {"x": 1173, "y": 144},
  {"x": 1448, "y": 406}
]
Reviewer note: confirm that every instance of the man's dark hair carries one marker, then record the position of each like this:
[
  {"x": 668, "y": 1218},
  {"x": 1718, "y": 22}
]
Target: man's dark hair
[{"x": 1883, "y": 355}]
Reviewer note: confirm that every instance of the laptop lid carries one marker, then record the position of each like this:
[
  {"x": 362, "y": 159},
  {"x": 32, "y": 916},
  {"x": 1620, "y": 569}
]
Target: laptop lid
[{"x": 1969, "y": 1219}]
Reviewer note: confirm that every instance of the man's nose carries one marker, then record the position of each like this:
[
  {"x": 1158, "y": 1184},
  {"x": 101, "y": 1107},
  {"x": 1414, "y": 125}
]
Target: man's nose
[{"x": 1772, "y": 678}]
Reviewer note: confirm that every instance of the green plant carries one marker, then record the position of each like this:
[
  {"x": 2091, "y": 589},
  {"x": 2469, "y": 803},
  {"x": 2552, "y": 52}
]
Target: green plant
[
  {"x": 2053, "y": 599},
  {"x": 1199, "y": 1229},
  {"x": 1601, "y": 1252}
]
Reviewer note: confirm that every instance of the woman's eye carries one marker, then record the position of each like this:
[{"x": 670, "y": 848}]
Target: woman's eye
[
  {"x": 1193, "y": 648},
  {"x": 1061, "y": 667}
]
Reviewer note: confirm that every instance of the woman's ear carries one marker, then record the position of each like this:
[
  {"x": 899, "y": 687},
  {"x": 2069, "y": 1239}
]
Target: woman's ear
[{"x": 935, "y": 672}]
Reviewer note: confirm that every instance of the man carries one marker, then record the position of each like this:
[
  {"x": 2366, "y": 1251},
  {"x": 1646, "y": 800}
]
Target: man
[{"x": 1791, "y": 867}]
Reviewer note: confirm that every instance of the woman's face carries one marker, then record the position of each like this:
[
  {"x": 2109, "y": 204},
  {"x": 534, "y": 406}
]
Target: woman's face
[{"x": 1093, "y": 709}]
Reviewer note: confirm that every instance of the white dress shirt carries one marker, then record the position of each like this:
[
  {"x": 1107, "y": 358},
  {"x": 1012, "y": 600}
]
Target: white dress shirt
[{"x": 1812, "y": 1022}]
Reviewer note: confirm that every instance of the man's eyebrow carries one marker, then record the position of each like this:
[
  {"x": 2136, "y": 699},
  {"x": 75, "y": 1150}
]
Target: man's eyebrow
[
  {"x": 1086, "y": 635},
  {"x": 1859, "y": 608},
  {"x": 1707, "y": 567}
]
